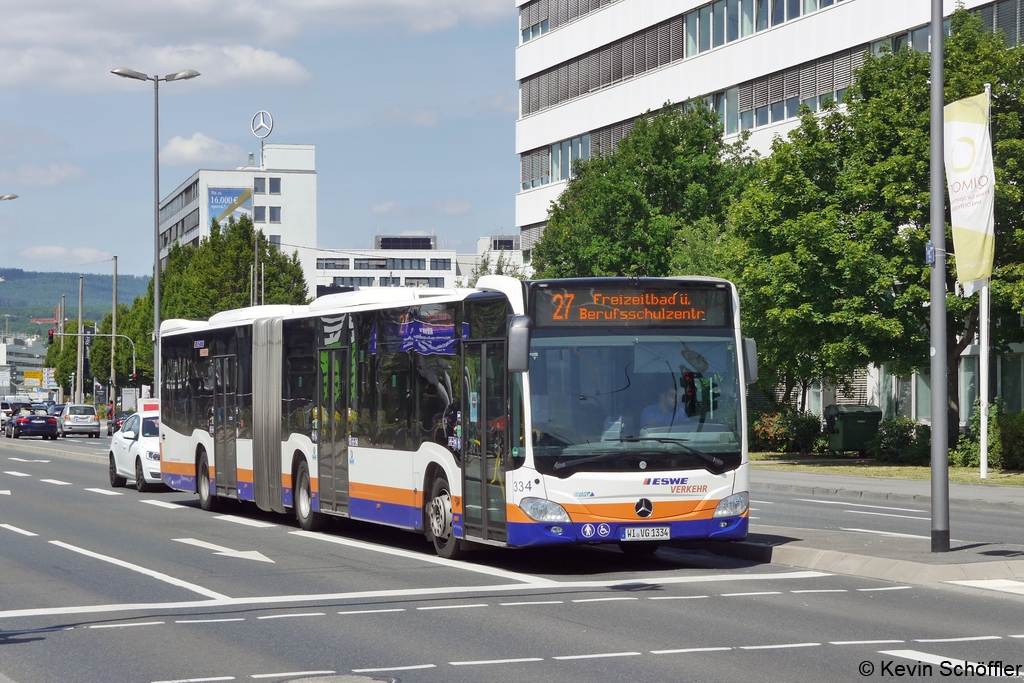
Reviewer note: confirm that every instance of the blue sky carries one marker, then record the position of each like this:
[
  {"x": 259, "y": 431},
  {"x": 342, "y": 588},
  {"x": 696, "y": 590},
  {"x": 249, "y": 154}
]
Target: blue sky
[{"x": 411, "y": 105}]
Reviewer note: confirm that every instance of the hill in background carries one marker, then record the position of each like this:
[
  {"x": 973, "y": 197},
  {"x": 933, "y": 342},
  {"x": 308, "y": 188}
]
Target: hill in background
[{"x": 27, "y": 294}]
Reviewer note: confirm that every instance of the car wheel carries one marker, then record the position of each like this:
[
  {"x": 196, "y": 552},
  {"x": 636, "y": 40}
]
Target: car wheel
[
  {"x": 308, "y": 519},
  {"x": 116, "y": 480},
  {"x": 14, "y": 433},
  {"x": 207, "y": 500},
  {"x": 140, "y": 478},
  {"x": 440, "y": 516}
]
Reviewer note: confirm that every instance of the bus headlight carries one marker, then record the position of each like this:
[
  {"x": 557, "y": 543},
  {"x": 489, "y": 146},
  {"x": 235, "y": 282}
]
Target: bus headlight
[
  {"x": 543, "y": 510},
  {"x": 152, "y": 455},
  {"x": 733, "y": 506}
]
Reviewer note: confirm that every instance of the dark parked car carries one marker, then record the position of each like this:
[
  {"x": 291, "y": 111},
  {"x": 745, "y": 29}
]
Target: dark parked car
[
  {"x": 31, "y": 422},
  {"x": 114, "y": 423}
]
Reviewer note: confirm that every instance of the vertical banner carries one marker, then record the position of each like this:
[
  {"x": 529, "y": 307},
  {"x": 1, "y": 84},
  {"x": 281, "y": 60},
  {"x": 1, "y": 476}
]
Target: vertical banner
[{"x": 971, "y": 182}]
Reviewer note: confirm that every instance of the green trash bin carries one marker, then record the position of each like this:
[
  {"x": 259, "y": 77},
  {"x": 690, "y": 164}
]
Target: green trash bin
[{"x": 850, "y": 428}]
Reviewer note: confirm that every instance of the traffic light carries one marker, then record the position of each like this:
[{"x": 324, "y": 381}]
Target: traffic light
[
  {"x": 134, "y": 376},
  {"x": 51, "y": 338}
]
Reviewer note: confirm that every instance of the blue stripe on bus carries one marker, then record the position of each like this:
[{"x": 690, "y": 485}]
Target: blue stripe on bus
[
  {"x": 407, "y": 516},
  {"x": 286, "y": 497},
  {"x": 246, "y": 491},
  {"x": 523, "y": 534},
  {"x": 180, "y": 482}
]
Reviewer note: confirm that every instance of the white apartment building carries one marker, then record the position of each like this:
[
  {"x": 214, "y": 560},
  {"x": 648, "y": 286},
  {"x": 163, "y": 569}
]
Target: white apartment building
[
  {"x": 279, "y": 194},
  {"x": 588, "y": 68}
]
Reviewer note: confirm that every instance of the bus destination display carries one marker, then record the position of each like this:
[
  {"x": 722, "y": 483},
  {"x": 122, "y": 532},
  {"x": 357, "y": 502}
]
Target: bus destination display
[{"x": 604, "y": 306}]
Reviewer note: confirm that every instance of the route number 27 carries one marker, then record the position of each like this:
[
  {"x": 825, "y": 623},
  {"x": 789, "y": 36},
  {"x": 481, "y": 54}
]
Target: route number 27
[{"x": 562, "y": 302}]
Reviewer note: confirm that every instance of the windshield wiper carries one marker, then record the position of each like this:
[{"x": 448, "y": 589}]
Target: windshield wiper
[
  {"x": 715, "y": 462},
  {"x": 677, "y": 442}
]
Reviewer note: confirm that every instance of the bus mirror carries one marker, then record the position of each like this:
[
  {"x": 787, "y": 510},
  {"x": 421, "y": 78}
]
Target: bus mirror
[
  {"x": 519, "y": 343},
  {"x": 750, "y": 359}
]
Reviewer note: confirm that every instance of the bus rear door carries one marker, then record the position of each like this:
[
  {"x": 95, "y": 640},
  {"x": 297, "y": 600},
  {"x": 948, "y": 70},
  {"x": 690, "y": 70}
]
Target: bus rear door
[
  {"x": 332, "y": 429},
  {"x": 485, "y": 443}
]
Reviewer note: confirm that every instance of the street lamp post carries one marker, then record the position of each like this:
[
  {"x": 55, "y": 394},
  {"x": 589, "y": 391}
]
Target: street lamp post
[{"x": 184, "y": 75}]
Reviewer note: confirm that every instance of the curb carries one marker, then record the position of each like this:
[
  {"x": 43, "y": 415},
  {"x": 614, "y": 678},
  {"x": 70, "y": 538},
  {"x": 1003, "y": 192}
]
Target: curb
[
  {"x": 851, "y": 564},
  {"x": 877, "y": 496}
]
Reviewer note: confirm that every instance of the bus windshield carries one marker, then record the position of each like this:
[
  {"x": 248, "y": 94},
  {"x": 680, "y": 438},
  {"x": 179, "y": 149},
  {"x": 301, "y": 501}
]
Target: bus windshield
[{"x": 621, "y": 400}]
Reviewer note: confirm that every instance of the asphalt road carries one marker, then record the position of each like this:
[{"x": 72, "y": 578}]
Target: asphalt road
[{"x": 101, "y": 584}]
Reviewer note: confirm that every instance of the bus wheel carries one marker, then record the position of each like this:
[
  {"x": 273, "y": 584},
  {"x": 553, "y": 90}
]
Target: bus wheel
[
  {"x": 116, "y": 480},
  {"x": 308, "y": 519},
  {"x": 639, "y": 548},
  {"x": 207, "y": 500},
  {"x": 439, "y": 514}
]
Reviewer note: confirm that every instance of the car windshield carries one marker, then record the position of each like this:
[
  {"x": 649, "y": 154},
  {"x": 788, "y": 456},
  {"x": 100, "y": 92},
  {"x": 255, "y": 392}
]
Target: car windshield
[
  {"x": 662, "y": 400},
  {"x": 151, "y": 426},
  {"x": 82, "y": 410}
]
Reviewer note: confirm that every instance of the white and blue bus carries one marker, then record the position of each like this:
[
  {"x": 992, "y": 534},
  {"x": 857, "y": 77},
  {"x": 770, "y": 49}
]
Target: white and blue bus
[{"x": 606, "y": 410}]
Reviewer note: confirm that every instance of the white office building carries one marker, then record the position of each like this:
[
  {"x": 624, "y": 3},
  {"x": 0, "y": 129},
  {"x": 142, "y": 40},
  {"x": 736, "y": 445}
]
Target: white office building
[{"x": 279, "y": 194}]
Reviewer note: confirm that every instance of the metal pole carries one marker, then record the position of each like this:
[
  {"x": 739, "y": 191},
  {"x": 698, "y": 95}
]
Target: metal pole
[
  {"x": 80, "y": 367},
  {"x": 62, "y": 316},
  {"x": 113, "y": 340},
  {"x": 156, "y": 237},
  {"x": 940, "y": 403}
]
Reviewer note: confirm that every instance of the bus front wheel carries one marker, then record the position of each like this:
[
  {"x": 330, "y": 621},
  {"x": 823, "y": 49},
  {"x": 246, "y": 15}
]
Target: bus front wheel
[
  {"x": 440, "y": 517},
  {"x": 308, "y": 519}
]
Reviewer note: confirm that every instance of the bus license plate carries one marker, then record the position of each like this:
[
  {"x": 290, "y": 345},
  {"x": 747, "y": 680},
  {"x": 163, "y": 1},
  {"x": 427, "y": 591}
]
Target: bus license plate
[{"x": 645, "y": 533}]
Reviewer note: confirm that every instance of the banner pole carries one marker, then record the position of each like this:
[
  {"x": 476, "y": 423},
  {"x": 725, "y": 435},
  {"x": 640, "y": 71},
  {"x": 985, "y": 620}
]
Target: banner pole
[{"x": 983, "y": 383}]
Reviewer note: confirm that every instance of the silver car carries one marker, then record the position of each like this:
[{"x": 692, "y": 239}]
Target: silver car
[{"x": 79, "y": 419}]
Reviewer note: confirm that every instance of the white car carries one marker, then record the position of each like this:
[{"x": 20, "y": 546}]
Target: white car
[{"x": 135, "y": 451}]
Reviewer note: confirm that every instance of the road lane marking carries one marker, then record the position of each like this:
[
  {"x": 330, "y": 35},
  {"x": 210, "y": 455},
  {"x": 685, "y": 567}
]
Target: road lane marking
[
  {"x": 822, "y": 590},
  {"x": 893, "y": 534},
  {"x": 288, "y": 674},
  {"x": 432, "y": 559},
  {"x": 142, "y": 570},
  {"x": 600, "y": 655},
  {"x": 208, "y": 621},
  {"x": 199, "y": 680},
  {"x": 479, "y": 604},
  {"x": 778, "y": 647},
  {"x": 762, "y": 502},
  {"x": 163, "y": 504},
  {"x": 857, "y": 505},
  {"x": 136, "y": 623},
  {"x": 532, "y": 602},
  {"x": 884, "y": 588},
  {"x": 290, "y": 616},
  {"x": 24, "y": 460},
  {"x": 883, "y": 514},
  {"x": 16, "y": 474},
  {"x": 1001, "y": 585},
  {"x": 5, "y": 493},
  {"x": 227, "y": 552},
  {"x": 16, "y": 530},
  {"x": 964, "y": 639},
  {"x": 686, "y": 650},
  {"x": 603, "y": 599},
  {"x": 245, "y": 521},
  {"x": 56, "y": 482},
  {"x": 224, "y": 601},
  {"x": 740, "y": 595},
  {"x": 678, "y": 597},
  {"x": 865, "y": 642},
  {"x": 498, "y": 661},
  {"x": 373, "y": 611},
  {"x": 106, "y": 492},
  {"x": 925, "y": 657},
  {"x": 395, "y": 668}
]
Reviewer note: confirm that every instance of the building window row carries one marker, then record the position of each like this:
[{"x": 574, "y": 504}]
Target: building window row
[
  {"x": 183, "y": 199},
  {"x": 552, "y": 163},
  {"x": 259, "y": 214},
  {"x": 179, "y": 229},
  {"x": 440, "y": 264},
  {"x": 537, "y": 17},
  {"x": 681, "y": 37},
  {"x": 390, "y": 264},
  {"x": 332, "y": 264},
  {"x": 259, "y": 185},
  {"x": 436, "y": 282}
]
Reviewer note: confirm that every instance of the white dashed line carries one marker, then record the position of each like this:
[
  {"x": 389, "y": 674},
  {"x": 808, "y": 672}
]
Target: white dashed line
[
  {"x": 136, "y": 623},
  {"x": 740, "y": 595},
  {"x": 498, "y": 661},
  {"x": 956, "y": 640},
  {"x": 56, "y": 482},
  {"x": 17, "y": 474},
  {"x": 600, "y": 656},
  {"x": 916, "y": 656},
  {"x": 603, "y": 599},
  {"x": 883, "y": 514},
  {"x": 823, "y": 590},
  {"x": 532, "y": 602},
  {"x": 199, "y": 680},
  {"x": 17, "y": 530},
  {"x": 395, "y": 668},
  {"x": 678, "y": 597},
  {"x": 288, "y": 674},
  {"x": 778, "y": 647},
  {"x": 207, "y": 621},
  {"x": 24, "y": 460},
  {"x": 289, "y": 616},
  {"x": 857, "y": 505},
  {"x": 163, "y": 504},
  {"x": 245, "y": 521},
  {"x": 106, "y": 492},
  {"x": 864, "y": 642},
  {"x": 373, "y": 611},
  {"x": 686, "y": 650},
  {"x": 479, "y": 604},
  {"x": 892, "y": 534},
  {"x": 887, "y": 588}
]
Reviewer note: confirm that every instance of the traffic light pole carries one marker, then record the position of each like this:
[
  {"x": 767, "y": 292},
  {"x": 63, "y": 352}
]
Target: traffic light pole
[{"x": 98, "y": 334}]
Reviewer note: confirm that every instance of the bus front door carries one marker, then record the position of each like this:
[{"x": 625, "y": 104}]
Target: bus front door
[
  {"x": 225, "y": 425},
  {"x": 485, "y": 441},
  {"x": 332, "y": 430}
]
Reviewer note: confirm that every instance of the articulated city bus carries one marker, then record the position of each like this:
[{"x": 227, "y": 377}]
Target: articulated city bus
[{"x": 605, "y": 410}]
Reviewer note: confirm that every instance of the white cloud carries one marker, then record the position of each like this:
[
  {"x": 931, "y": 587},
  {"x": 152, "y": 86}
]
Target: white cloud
[
  {"x": 57, "y": 255},
  {"x": 35, "y": 176},
  {"x": 73, "y": 45},
  {"x": 199, "y": 150},
  {"x": 386, "y": 207},
  {"x": 454, "y": 206}
]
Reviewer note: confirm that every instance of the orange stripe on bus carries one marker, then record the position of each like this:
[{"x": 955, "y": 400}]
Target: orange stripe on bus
[
  {"x": 187, "y": 468},
  {"x": 387, "y": 494},
  {"x": 245, "y": 476},
  {"x": 286, "y": 480}
]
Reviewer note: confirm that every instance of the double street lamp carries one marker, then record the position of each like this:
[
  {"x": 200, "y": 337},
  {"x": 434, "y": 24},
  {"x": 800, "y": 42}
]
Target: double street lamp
[{"x": 185, "y": 75}]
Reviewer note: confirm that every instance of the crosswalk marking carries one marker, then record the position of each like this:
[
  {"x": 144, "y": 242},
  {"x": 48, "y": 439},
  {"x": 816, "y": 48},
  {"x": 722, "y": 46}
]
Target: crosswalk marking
[{"x": 1001, "y": 585}]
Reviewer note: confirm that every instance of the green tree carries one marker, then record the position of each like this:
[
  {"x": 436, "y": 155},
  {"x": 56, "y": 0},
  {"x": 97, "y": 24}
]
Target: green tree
[
  {"x": 620, "y": 213},
  {"x": 66, "y": 362},
  {"x": 100, "y": 352},
  {"x": 502, "y": 266}
]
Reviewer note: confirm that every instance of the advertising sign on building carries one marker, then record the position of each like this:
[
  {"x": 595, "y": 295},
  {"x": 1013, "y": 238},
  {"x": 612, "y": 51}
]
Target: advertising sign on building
[{"x": 225, "y": 202}]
